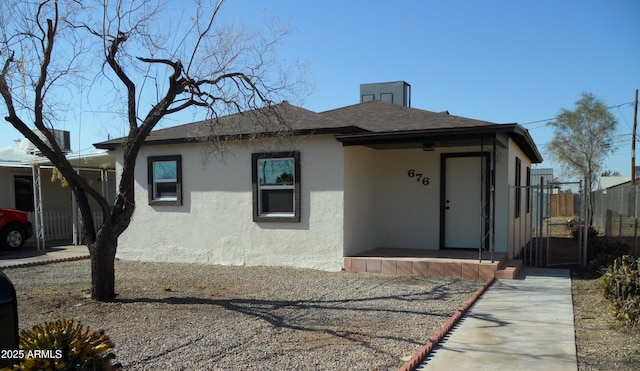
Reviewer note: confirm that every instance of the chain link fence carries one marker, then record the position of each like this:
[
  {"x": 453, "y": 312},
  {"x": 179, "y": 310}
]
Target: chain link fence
[
  {"x": 554, "y": 229},
  {"x": 554, "y": 226},
  {"x": 615, "y": 212},
  {"x": 564, "y": 221}
]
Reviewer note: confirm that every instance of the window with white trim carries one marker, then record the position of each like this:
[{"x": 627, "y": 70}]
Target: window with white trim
[
  {"x": 276, "y": 186},
  {"x": 165, "y": 180}
]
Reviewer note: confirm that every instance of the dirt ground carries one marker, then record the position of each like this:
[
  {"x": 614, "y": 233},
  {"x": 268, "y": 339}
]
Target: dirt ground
[{"x": 601, "y": 342}]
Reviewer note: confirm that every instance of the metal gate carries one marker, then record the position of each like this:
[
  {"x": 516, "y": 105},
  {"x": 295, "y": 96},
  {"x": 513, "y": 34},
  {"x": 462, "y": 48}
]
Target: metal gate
[{"x": 550, "y": 229}]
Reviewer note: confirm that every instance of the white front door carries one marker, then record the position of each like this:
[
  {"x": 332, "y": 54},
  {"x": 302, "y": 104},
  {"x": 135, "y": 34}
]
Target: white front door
[{"x": 463, "y": 199}]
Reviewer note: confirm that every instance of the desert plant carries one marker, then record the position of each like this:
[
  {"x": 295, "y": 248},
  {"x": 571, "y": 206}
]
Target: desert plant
[
  {"x": 621, "y": 283},
  {"x": 65, "y": 345},
  {"x": 603, "y": 250}
]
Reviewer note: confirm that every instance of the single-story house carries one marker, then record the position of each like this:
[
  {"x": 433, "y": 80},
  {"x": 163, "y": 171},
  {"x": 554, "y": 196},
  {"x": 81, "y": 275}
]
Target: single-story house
[
  {"x": 335, "y": 185},
  {"x": 607, "y": 182},
  {"x": 29, "y": 183}
]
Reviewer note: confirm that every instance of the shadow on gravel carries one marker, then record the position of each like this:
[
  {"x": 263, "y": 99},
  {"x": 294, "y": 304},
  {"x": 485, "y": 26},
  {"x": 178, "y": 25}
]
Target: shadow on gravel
[{"x": 321, "y": 316}]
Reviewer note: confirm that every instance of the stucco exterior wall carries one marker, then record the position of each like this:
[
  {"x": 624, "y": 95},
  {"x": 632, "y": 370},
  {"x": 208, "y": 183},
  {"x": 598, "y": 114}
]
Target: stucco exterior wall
[
  {"x": 518, "y": 227},
  {"x": 385, "y": 207},
  {"x": 353, "y": 199},
  {"x": 361, "y": 195},
  {"x": 409, "y": 210},
  {"x": 501, "y": 194},
  {"x": 214, "y": 224}
]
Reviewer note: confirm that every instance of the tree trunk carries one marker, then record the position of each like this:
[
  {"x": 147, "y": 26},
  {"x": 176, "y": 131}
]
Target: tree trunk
[{"x": 103, "y": 255}]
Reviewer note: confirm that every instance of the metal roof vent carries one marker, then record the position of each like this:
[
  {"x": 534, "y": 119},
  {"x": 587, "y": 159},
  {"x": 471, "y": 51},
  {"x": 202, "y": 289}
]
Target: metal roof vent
[{"x": 398, "y": 92}]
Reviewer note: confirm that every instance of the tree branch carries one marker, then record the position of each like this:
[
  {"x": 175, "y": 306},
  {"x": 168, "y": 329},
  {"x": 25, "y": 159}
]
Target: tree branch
[
  {"x": 203, "y": 34},
  {"x": 129, "y": 85}
]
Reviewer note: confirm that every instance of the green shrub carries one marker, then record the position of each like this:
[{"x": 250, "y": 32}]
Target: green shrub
[
  {"x": 67, "y": 346},
  {"x": 621, "y": 283},
  {"x": 601, "y": 251}
]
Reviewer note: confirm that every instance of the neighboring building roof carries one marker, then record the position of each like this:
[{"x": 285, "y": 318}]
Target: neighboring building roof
[
  {"x": 545, "y": 173},
  {"x": 17, "y": 157},
  {"x": 370, "y": 123},
  {"x": 612, "y": 181}
]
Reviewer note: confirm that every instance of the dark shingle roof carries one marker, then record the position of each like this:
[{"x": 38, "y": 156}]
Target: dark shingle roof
[
  {"x": 372, "y": 122},
  {"x": 274, "y": 120},
  {"x": 379, "y": 116},
  {"x": 389, "y": 125}
]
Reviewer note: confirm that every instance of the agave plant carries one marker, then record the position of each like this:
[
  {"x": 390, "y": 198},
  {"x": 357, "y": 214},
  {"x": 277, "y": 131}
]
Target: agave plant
[{"x": 65, "y": 345}]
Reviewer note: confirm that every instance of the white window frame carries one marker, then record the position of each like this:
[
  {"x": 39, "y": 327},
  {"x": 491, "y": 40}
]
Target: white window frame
[
  {"x": 258, "y": 214},
  {"x": 160, "y": 181},
  {"x": 153, "y": 182},
  {"x": 277, "y": 188}
]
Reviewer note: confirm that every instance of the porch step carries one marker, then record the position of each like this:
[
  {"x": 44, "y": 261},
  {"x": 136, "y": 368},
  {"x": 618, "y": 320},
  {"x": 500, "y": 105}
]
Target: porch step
[
  {"x": 510, "y": 269},
  {"x": 426, "y": 266}
]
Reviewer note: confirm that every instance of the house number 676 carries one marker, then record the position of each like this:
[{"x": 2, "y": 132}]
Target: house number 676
[{"x": 419, "y": 178}]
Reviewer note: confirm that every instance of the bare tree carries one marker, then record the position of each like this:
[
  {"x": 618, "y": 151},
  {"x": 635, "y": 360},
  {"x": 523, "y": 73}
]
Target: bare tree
[
  {"x": 610, "y": 172},
  {"x": 154, "y": 66}
]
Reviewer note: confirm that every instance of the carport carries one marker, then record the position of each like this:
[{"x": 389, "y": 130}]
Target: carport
[{"x": 20, "y": 167}]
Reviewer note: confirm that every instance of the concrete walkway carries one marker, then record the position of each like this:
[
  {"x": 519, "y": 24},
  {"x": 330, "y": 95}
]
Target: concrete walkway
[
  {"x": 523, "y": 324},
  {"x": 28, "y": 255}
]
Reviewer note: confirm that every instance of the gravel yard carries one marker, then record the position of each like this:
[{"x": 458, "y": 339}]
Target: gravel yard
[{"x": 186, "y": 317}]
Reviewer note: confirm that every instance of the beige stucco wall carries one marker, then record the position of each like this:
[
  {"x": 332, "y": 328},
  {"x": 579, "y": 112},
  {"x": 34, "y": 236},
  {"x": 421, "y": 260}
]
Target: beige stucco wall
[
  {"x": 384, "y": 207},
  {"x": 411, "y": 208},
  {"x": 214, "y": 225},
  {"x": 501, "y": 194},
  {"x": 353, "y": 199},
  {"x": 361, "y": 197},
  {"x": 518, "y": 230}
]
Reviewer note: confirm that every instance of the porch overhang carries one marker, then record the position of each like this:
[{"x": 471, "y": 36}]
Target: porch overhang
[{"x": 446, "y": 137}]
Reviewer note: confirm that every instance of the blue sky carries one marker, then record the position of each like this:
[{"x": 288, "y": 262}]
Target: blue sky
[{"x": 499, "y": 61}]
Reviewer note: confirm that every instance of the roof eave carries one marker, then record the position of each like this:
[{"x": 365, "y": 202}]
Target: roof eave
[
  {"x": 520, "y": 135},
  {"x": 118, "y": 143},
  {"x": 528, "y": 142}
]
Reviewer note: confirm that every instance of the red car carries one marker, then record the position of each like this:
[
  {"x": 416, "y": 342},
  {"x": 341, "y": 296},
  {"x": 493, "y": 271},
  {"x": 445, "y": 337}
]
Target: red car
[{"x": 15, "y": 228}]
